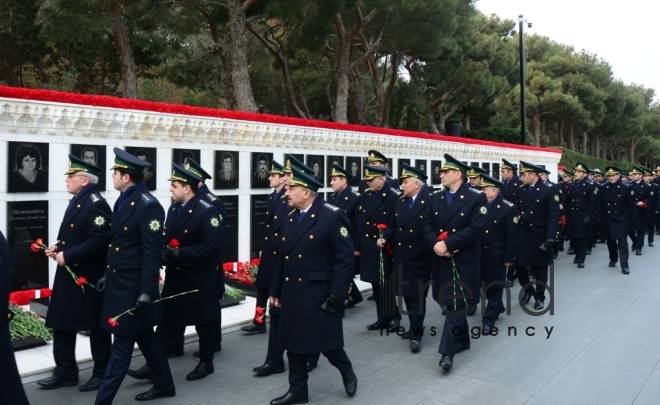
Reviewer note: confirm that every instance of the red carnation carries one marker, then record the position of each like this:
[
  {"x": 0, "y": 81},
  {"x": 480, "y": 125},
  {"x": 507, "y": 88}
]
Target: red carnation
[
  {"x": 174, "y": 243},
  {"x": 381, "y": 227},
  {"x": 113, "y": 322},
  {"x": 81, "y": 281},
  {"x": 259, "y": 315},
  {"x": 390, "y": 249},
  {"x": 228, "y": 266},
  {"x": 34, "y": 247},
  {"x": 443, "y": 235},
  {"x": 39, "y": 241},
  {"x": 255, "y": 262},
  {"x": 160, "y": 278},
  {"x": 644, "y": 205}
]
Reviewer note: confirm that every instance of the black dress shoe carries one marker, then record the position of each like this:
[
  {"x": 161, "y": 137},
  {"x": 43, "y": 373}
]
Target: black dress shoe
[
  {"x": 575, "y": 260},
  {"x": 414, "y": 346},
  {"x": 289, "y": 398},
  {"x": 580, "y": 265},
  {"x": 144, "y": 373},
  {"x": 266, "y": 369},
  {"x": 612, "y": 264},
  {"x": 56, "y": 382},
  {"x": 527, "y": 297},
  {"x": 588, "y": 252},
  {"x": 461, "y": 348},
  {"x": 446, "y": 362},
  {"x": 509, "y": 282},
  {"x": 650, "y": 244},
  {"x": 560, "y": 248},
  {"x": 203, "y": 369},
  {"x": 570, "y": 252},
  {"x": 601, "y": 240},
  {"x": 393, "y": 325},
  {"x": 471, "y": 310},
  {"x": 175, "y": 353},
  {"x": 92, "y": 385},
  {"x": 555, "y": 255},
  {"x": 638, "y": 252},
  {"x": 538, "y": 304},
  {"x": 350, "y": 383},
  {"x": 155, "y": 393},
  {"x": 370, "y": 298},
  {"x": 378, "y": 325},
  {"x": 311, "y": 366},
  {"x": 254, "y": 328},
  {"x": 625, "y": 270},
  {"x": 406, "y": 335},
  {"x": 217, "y": 348},
  {"x": 486, "y": 329}
]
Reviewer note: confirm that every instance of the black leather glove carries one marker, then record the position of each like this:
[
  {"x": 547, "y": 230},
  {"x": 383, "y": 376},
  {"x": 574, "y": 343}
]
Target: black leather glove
[
  {"x": 143, "y": 301},
  {"x": 170, "y": 256},
  {"x": 331, "y": 303},
  {"x": 549, "y": 243},
  {"x": 100, "y": 285},
  {"x": 586, "y": 221}
]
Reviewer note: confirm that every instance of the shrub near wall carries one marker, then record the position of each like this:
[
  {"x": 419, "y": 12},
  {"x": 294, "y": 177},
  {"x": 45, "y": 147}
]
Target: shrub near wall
[
  {"x": 569, "y": 158},
  {"x": 509, "y": 135}
]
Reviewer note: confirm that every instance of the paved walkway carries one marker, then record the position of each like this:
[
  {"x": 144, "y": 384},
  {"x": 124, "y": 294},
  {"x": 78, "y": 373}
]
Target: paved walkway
[{"x": 603, "y": 349}]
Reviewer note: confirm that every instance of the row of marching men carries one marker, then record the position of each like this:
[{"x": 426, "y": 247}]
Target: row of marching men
[
  {"x": 107, "y": 278},
  {"x": 624, "y": 205}
]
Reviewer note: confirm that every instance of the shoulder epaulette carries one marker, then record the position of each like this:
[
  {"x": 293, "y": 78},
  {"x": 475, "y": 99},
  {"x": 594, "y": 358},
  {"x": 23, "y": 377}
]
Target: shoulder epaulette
[
  {"x": 436, "y": 191},
  {"x": 355, "y": 193},
  {"x": 330, "y": 206},
  {"x": 292, "y": 211},
  {"x": 509, "y": 203},
  {"x": 474, "y": 190},
  {"x": 211, "y": 197},
  {"x": 395, "y": 191},
  {"x": 95, "y": 197},
  {"x": 205, "y": 204},
  {"x": 148, "y": 198}
]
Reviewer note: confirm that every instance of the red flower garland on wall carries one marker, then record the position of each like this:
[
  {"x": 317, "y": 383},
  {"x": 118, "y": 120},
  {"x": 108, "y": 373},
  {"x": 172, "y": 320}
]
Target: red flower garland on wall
[{"x": 24, "y": 297}]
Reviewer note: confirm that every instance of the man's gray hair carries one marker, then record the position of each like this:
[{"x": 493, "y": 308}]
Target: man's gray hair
[{"x": 93, "y": 179}]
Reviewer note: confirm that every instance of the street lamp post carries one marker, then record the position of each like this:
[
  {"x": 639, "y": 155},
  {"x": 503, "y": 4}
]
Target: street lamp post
[{"x": 523, "y": 107}]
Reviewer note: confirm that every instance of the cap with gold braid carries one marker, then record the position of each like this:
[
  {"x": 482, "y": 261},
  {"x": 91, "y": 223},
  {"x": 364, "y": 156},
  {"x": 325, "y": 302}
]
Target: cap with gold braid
[
  {"x": 184, "y": 176},
  {"x": 451, "y": 163},
  {"x": 291, "y": 162},
  {"x": 487, "y": 181},
  {"x": 124, "y": 160},
  {"x": 657, "y": 169},
  {"x": 568, "y": 172},
  {"x": 611, "y": 171},
  {"x": 371, "y": 172},
  {"x": 192, "y": 166},
  {"x": 375, "y": 156},
  {"x": 411, "y": 171},
  {"x": 79, "y": 165},
  {"x": 636, "y": 170},
  {"x": 528, "y": 167},
  {"x": 475, "y": 171},
  {"x": 299, "y": 178},
  {"x": 276, "y": 168},
  {"x": 579, "y": 166},
  {"x": 508, "y": 165},
  {"x": 338, "y": 171}
]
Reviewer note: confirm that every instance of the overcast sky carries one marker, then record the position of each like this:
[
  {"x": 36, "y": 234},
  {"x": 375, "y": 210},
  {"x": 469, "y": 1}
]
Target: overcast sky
[{"x": 624, "y": 33}]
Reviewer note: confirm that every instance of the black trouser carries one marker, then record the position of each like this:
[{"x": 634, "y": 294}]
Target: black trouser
[
  {"x": 64, "y": 352},
  {"x": 541, "y": 274},
  {"x": 171, "y": 335},
  {"x": 495, "y": 306},
  {"x": 650, "y": 228},
  {"x": 218, "y": 326},
  {"x": 618, "y": 248},
  {"x": 386, "y": 308},
  {"x": 454, "y": 332},
  {"x": 274, "y": 355},
  {"x": 416, "y": 315},
  {"x": 354, "y": 291},
  {"x": 298, "y": 369},
  {"x": 511, "y": 273},
  {"x": 120, "y": 360},
  {"x": 581, "y": 247},
  {"x": 637, "y": 238}
]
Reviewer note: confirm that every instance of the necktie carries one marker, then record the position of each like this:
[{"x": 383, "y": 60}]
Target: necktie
[
  {"x": 450, "y": 198},
  {"x": 178, "y": 210},
  {"x": 300, "y": 215},
  {"x": 337, "y": 199},
  {"x": 530, "y": 189},
  {"x": 410, "y": 203}
]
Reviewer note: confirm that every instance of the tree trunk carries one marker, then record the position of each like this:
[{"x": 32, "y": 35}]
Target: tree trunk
[
  {"x": 124, "y": 50},
  {"x": 561, "y": 133},
  {"x": 584, "y": 142},
  {"x": 596, "y": 144},
  {"x": 240, "y": 75},
  {"x": 571, "y": 139},
  {"x": 341, "y": 98},
  {"x": 536, "y": 127},
  {"x": 358, "y": 98},
  {"x": 430, "y": 122},
  {"x": 467, "y": 121}
]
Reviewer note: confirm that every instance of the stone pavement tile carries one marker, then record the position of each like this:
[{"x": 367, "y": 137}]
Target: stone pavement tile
[
  {"x": 569, "y": 327},
  {"x": 536, "y": 356},
  {"x": 645, "y": 307},
  {"x": 638, "y": 332},
  {"x": 526, "y": 378},
  {"x": 251, "y": 393},
  {"x": 468, "y": 390},
  {"x": 653, "y": 382},
  {"x": 432, "y": 402},
  {"x": 567, "y": 389},
  {"x": 647, "y": 398},
  {"x": 368, "y": 393},
  {"x": 559, "y": 339}
]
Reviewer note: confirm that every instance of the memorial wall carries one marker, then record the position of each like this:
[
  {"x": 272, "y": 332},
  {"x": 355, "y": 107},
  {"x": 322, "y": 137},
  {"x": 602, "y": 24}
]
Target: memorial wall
[{"x": 38, "y": 129}]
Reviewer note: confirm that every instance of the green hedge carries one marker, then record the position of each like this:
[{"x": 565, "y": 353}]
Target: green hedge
[
  {"x": 569, "y": 158},
  {"x": 509, "y": 135}
]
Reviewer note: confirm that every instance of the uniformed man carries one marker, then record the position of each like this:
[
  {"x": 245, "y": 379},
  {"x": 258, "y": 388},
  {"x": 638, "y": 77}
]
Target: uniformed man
[
  {"x": 644, "y": 200},
  {"x": 597, "y": 224},
  {"x": 278, "y": 207},
  {"x": 345, "y": 197},
  {"x": 457, "y": 215},
  {"x": 377, "y": 159},
  {"x": 375, "y": 207},
  {"x": 656, "y": 180},
  {"x": 499, "y": 239},
  {"x": 580, "y": 202},
  {"x": 474, "y": 175},
  {"x": 652, "y": 211},
  {"x": 311, "y": 284},
  {"x": 619, "y": 215},
  {"x": 539, "y": 224},
  {"x": 131, "y": 280},
  {"x": 81, "y": 240},
  {"x": 11, "y": 386},
  {"x": 412, "y": 260},
  {"x": 512, "y": 185}
]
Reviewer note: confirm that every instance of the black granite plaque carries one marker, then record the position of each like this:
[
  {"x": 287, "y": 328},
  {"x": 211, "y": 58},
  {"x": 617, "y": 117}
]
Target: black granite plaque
[
  {"x": 148, "y": 154},
  {"x": 230, "y": 249},
  {"x": 226, "y": 170},
  {"x": 179, "y": 156},
  {"x": 27, "y": 221},
  {"x": 258, "y": 214},
  {"x": 27, "y": 167},
  {"x": 260, "y": 166},
  {"x": 353, "y": 167},
  {"x": 317, "y": 163},
  {"x": 93, "y": 154},
  {"x": 434, "y": 176}
]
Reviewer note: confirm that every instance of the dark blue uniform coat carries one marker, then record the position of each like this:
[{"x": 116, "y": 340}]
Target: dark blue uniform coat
[
  {"x": 196, "y": 228},
  {"x": 133, "y": 263},
  {"x": 278, "y": 208},
  {"x": 463, "y": 221},
  {"x": 363, "y": 186},
  {"x": 83, "y": 238},
  {"x": 316, "y": 262},
  {"x": 209, "y": 197},
  {"x": 618, "y": 210},
  {"x": 539, "y": 221},
  {"x": 348, "y": 201},
  {"x": 512, "y": 189},
  {"x": 374, "y": 208},
  {"x": 499, "y": 240},
  {"x": 580, "y": 201},
  {"x": 412, "y": 259},
  {"x": 642, "y": 192}
]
